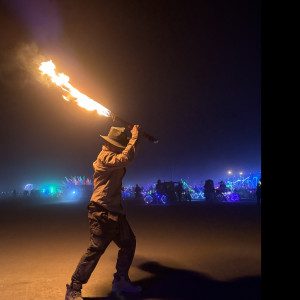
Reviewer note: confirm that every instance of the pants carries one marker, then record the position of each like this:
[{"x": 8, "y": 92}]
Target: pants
[{"x": 104, "y": 228}]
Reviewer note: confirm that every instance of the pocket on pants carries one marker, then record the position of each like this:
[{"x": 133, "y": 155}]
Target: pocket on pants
[
  {"x": 95, "y": 227},
  {"x": 97, "y": 221}
]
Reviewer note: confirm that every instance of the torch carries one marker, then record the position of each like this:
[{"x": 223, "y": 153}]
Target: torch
[
  {"x": 128, "y": 125},
  {"x": 82, "y": 100}
]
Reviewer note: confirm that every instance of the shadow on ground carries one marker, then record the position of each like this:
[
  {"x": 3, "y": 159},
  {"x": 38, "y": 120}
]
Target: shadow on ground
[{"x": 169, "y": 283}]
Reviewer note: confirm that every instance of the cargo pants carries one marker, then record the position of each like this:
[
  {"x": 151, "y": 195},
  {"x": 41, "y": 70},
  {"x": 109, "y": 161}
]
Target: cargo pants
[{"x": 104, "y": 228}]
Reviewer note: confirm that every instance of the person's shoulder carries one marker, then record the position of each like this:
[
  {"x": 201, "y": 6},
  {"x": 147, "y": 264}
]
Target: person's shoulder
[{"x": 106, "y": 155}]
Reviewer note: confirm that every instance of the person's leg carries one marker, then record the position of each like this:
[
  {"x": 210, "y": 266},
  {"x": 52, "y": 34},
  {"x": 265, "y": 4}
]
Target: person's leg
[
  {"x": 89, "y": 260},
  {"x": 101, "y": 234},
  {"x": 125, "y": 240}
]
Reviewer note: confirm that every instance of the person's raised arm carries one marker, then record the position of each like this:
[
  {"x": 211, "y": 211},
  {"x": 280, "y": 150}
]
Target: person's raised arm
[{"x": 126, "y": 157}]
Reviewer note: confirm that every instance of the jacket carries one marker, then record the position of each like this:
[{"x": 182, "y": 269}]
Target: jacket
[{"x": 109, "y": 170}]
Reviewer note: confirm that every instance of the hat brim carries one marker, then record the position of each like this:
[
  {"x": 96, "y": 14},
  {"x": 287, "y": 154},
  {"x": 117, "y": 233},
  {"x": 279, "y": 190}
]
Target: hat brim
[{"x": 113, "y": 142}]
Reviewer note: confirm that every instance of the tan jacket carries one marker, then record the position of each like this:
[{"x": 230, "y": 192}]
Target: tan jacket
[{"x": 109, "y": 170}]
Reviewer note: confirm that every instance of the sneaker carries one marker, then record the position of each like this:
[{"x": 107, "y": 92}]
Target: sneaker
[
  {"x": 125, "y": 285},
  {"x": 73, "y": 294}
]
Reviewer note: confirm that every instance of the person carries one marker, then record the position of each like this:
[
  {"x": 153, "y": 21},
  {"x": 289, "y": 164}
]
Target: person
[
  {"x": 222, "y": 187},
  {"x": 179, "y": 190},
  {"x": 220, "y": 192},
  {"x": 170, "y": 191},
  {"x": 258, "y": 192},
  {"x": 137, "y": 192},
  {"x": 106, "y": 214},
  {"x": 209, "y": 190},
  {"x": 159, "y": 187}
]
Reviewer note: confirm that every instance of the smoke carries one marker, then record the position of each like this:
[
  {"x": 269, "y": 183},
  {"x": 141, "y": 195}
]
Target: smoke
[
  {"x": 30, "y": 20},
  {"x": 20, "y": 67},
  {"x": 42, "y": 19}
]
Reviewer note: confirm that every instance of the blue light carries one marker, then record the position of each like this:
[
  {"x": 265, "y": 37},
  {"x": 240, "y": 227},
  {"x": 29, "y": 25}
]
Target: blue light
[{"x": 28, "y": 187}]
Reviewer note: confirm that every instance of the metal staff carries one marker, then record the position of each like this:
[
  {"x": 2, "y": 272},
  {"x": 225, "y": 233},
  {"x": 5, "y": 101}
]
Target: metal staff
[
  {"x": 124, "y": 123},
  {"x": 130, "y": 126}
]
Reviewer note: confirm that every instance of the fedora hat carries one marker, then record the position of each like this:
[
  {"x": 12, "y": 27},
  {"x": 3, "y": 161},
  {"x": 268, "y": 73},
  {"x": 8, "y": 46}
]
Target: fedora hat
[{"x": 117, "y": 136}]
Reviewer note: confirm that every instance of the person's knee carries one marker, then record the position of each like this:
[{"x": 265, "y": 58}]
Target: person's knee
[
  {"x": 97, "y": 246},
  {"x": 130, "y": 244}
]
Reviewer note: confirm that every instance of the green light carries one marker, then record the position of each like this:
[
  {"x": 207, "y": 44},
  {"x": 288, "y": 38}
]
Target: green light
[{"x": 52, "y": 189}]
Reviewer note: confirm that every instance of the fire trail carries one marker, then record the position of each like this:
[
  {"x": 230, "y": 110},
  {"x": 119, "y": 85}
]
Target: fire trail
[{"x": 82, "y": 100}]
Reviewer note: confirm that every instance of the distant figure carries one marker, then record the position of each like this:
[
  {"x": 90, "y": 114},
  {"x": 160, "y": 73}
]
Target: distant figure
[
  {"x": 170, "y": 191},
  {"x": 179, "y": 191},
  {"x": 222, "y": 187},
  {"x": 209, "y": 191},
  {"x": 258, "y": 192},
  {"x": 106, "y": 214},
  {"x": 159, "y": 187},
  {"x": 137, "y": 192},
  {"x": 14, "y": 193},
  {"x": 220, "y": 192}
]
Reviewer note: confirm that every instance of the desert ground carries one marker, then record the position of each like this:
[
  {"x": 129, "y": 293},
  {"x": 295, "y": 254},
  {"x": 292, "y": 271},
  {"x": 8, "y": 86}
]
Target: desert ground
[{"x": 184, "y": 251}]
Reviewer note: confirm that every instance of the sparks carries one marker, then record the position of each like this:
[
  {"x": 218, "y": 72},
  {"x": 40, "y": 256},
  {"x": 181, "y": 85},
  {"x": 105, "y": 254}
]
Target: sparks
[{"x": 62, "y": 81}]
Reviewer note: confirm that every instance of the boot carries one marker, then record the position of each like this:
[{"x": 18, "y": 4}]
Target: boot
[
  {"x": 73, "y": 294},
  {"x": 123, "y": 284}
]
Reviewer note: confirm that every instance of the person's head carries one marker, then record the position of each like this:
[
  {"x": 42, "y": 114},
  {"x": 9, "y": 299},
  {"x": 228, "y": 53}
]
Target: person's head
[
  {"x": 113, "y": 148},
  {"x": 116, "y": 139}
]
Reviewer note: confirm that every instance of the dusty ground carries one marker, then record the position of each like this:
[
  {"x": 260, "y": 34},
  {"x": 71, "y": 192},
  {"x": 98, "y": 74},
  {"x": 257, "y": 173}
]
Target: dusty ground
[{"x": 194, "y": 251}]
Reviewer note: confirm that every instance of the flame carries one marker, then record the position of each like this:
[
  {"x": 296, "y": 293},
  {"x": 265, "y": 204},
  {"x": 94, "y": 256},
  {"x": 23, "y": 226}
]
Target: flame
[{"x": 62, "y": 81}]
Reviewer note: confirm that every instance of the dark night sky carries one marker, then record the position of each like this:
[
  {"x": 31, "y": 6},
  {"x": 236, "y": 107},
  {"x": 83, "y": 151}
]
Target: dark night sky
[{"x": 187, "y": 71}]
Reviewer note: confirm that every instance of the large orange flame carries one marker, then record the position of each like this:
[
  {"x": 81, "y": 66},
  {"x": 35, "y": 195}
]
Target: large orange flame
[{"x": 62, "y": 81}]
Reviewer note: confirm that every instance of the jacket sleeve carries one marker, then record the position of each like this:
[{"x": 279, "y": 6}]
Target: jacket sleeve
[{"x": 125, "y": 158}]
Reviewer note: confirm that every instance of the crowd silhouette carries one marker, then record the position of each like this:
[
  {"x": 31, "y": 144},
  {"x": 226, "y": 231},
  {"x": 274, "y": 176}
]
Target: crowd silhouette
[{"x": 166, "y": 192}]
